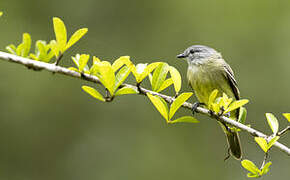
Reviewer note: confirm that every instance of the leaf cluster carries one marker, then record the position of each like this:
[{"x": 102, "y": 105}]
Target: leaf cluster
[{"x": 46, "y": 51}]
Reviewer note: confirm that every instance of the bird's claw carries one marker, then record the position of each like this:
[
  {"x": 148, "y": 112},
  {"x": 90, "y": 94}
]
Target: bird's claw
[{"x": 195, "y": 106}]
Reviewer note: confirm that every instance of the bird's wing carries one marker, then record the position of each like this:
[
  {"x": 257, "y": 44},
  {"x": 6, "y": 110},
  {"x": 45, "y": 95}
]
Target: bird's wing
[{"x": 231, "y": 78}]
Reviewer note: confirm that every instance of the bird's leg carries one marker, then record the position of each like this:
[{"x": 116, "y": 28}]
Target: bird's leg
[
  {"x": 195, "y": 106},
  {"x": 228, "y": 154}
]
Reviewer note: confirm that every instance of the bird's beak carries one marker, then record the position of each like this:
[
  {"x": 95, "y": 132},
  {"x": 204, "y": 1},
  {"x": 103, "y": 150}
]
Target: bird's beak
[{"x": 181, "y": 55}]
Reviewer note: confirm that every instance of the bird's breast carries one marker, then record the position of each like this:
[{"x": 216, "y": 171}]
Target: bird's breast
[{"x": 204, "y": 79}]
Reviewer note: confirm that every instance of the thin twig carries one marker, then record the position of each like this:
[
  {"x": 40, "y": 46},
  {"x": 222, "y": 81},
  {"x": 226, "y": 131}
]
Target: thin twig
[
  {"x": 284, "y": 131},
  {"x": 61, "y": 70}
]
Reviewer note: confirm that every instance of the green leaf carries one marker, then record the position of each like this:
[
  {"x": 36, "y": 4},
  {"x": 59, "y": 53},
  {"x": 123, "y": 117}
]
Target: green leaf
[
  {"x": 212, "y": 98},
  {"x": 236, "y": 105},
  {"x": 11, "y": 49},
  {"x": 76, "y": 37},
  {"x": 177, "y": 103},
  {"x": 242, "y": 115},
  {"x": 175, "y": 75},
  {"x": 159, "y": 76},
  {"x": 159, "y": 105},
  {"x": 60, "y": 33},
  {"x": 24, "y": 48},
  {"x": 143, "y": 74},
  {"x": 266, "y": 168},
  {"x": 106, "y": 75},
  {"x": 251, "y": 175},
  {"x": 184, "y": 119},
  {"x": 272, "y": 141},
  {"x": 77, "y": 62},
  {"x": 122, "y": 76},
  {"x": 287, "y": 116},
  {"x": 126, "y": 90},
  {"x": 74, "y": 69},
  {"x": 122, "y": 61},
  {"x": 1, "y": 13},
  {"x": 83, "y": 60},
  {"x": 91, "y": 91},
  {"x": 273, "y": 122},
  {"x": 165, "y": 84},
  {"x": 262, "y": 143},
  {"x": 54, "y": 47},
  {"x": 250, "y": 166}
]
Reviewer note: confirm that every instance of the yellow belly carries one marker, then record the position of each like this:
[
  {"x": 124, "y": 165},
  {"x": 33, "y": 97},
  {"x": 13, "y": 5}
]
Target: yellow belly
[{"x": 204, "y": 80}]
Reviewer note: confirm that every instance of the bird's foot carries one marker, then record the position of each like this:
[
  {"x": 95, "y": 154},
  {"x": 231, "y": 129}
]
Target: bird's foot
[
  {"x": 228, "y": 154},
  {"x": 195, "y": 106}
]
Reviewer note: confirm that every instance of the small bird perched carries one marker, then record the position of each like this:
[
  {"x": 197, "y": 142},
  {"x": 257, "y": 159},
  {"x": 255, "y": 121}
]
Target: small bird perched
[{"x": 207, "y": 71}]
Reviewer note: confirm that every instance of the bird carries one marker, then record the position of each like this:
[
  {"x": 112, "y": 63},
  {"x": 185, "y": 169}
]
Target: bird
[{"x": 207, "y": 71}]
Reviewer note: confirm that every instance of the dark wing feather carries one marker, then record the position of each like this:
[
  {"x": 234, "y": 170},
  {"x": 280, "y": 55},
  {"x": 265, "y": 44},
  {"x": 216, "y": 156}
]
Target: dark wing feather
[{"x": 233, "y": 83}]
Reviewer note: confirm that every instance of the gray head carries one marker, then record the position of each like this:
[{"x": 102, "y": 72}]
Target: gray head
[{"x": 198, "y": 54}]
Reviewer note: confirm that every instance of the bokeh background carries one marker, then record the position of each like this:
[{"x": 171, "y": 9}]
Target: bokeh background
[{"x": 51, "y": 129}]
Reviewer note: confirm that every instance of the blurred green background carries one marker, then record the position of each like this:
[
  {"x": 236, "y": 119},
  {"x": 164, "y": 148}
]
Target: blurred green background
[{"x": 50, "y": 129}]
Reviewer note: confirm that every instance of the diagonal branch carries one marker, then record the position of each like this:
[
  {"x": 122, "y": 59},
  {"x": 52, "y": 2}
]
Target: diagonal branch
[{"x": 37, "y": 65}]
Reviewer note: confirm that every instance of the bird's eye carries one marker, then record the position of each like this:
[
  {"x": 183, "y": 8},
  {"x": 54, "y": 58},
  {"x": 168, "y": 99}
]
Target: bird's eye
[{"x": 192, "y": 51}]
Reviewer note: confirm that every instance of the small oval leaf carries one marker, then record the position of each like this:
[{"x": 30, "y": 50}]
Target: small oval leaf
[
  {"x": 176, "y": 77},
  {"x": 273, "y": 122},
  {"x": 121, "y": 76},
  {"x": 159, "y": 105},
  {"x": 159, "y": 76},
  {"x": 165, "y": 84},
  {"x": 60, "y": 33},
  {"x": 262, "y": 143},
  {"x": 126, "y": 90},
  {"x": 236, "y": 105},
  {"x": 287, "y": 116},
  {"x": 184, "y": 119},
  {"x": 93, "y": 92},
  {"x": 250, "y": 166},
  {"x": 76, "y": 37},
  {"x": 177, "y": 103}
]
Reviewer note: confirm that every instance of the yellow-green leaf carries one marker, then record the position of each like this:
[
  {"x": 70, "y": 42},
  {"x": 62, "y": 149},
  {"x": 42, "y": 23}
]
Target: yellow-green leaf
[
  {"x": 212, "y": 98},
  {"x": 76, "y": 37},
  {"x": 54, "y": 47},
  {"x": 25, "y": 45},
  {"x": 159, "y": 105},
  {"x": 262, "y": 143},
  {"x": 175, "y": 75},
  {"x": 93, "y": 92},
  {"x": 287, "y": 116},
  {"x": 250, "y": 166},
  {"x": 266, "y": 168},
  {"x": 272, "y": 141},
  {"x": 242, "y": 115},
  {"x": 159, "y": 76},
  {"x": 165, "y": 84},
  {"x": 236, "y": 105},
  {"x": 251, "y": 175},
  {"x": 120, "y": 62},
  {"x": 11, "y": 49},
  {"x": 74, "y": 69},
  {"x": 184, "y": 119},
  {"x": 1, "y": 13},
  {"x": 121, "y": 76},
  {"x": 177, "y": 103},
  {"x": 143, "y": 74},
  {"x": 106, "y": 75},
  {"x": 60, "y": 33},
  {"x": 83, "y": 60},
  {"x": 273, "y": 122},
  {"x": 126, "y": 90}
]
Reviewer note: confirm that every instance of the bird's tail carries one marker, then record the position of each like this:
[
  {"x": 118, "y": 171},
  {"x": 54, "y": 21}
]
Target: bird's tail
[{"x": 234, "y": 143}]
